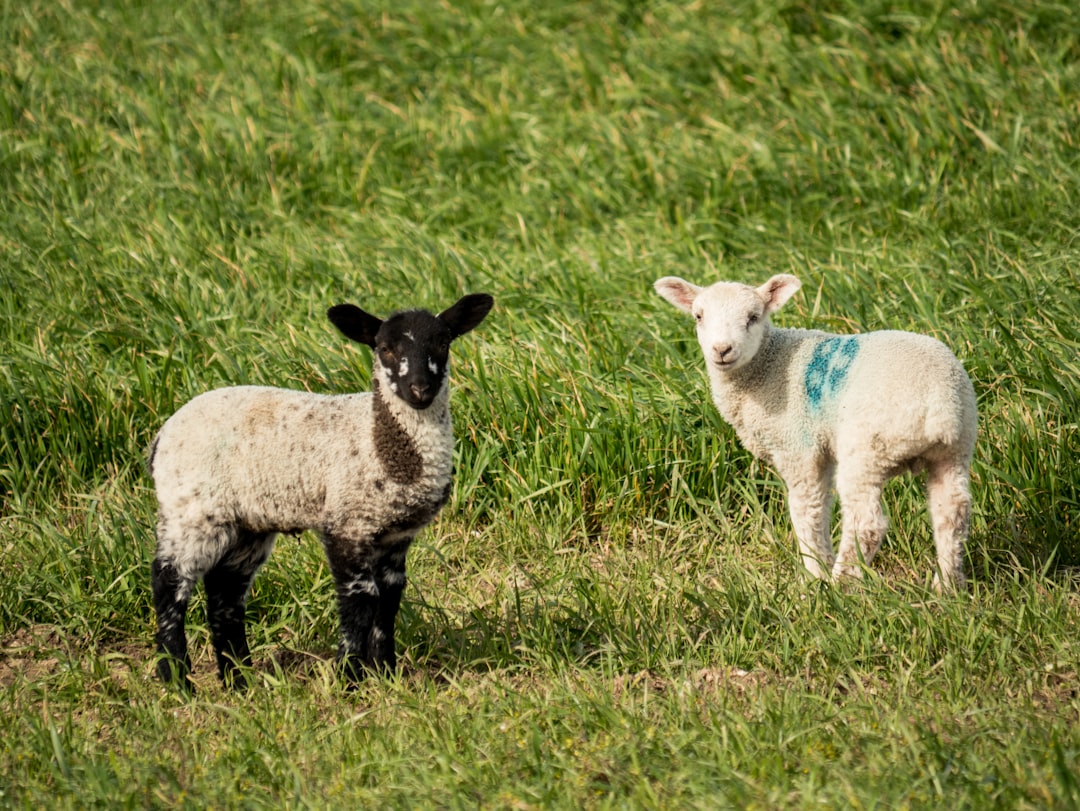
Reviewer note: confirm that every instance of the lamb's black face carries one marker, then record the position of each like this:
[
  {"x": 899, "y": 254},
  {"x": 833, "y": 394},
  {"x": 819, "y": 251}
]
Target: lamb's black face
[{"x": 413, "y": 349}]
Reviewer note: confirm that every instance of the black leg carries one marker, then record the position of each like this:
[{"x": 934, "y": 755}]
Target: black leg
[
  {"x": 390, "y": 579},
  {"x": 225, "y": 593},
  {"x": 227, "y": 587},
  {"x": 369, "y": 581},
  {"x": 358, "y": 601},
  {"x": 171, "y": 596}
]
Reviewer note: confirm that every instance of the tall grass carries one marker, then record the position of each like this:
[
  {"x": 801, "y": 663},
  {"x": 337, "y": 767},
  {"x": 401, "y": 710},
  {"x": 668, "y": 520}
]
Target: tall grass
[{"x": 608, "y": 612}]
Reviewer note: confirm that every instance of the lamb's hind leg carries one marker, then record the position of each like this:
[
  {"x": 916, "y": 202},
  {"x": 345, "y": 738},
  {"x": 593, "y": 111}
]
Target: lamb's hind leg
[
  {"x": 172, "y": 593},
  {"x": 863, "y": 519},
  {"x": 227, "y": 585},
  {"x": 949, "y": 497}
]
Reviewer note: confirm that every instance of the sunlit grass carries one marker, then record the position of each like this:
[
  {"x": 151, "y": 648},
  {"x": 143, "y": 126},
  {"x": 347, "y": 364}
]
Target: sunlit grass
[{"x": 608, "y": 613}]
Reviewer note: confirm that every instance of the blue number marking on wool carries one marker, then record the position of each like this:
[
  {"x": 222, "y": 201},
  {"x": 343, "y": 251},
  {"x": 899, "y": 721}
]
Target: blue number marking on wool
[{"x": 828, "y": 368}]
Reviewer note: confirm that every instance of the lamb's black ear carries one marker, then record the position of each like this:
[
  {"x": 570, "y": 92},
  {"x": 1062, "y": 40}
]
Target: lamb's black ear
[
  {"x": 354, "y": 323},
  {"x": 467, "y": 313}
]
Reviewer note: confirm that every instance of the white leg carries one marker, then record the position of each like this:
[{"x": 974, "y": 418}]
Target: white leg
[
  {"x": 863, "y": 520},
  {"x": 949, "y": 498},
  {"x": 810, "y": 505}
]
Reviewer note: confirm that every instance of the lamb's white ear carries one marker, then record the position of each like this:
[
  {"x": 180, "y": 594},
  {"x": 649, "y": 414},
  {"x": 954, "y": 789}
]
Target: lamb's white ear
[
  {"x": 778, "y": 290},
  {"x": 678, "y": 291}
]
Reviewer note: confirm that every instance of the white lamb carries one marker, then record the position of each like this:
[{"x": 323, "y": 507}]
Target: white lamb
[
  {"x": 236, "y": 466},
  {"x": 860, "y": 408}
]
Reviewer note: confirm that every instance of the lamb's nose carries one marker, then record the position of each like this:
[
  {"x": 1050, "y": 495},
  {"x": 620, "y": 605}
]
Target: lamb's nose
[
  {"x": 722, "y": 352},
  {"x": 420, "y": 390}
]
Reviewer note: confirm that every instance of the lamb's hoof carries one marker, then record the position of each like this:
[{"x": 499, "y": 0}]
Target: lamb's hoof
[
  {"x": 352, "y": 671},
  {"x": 234, "y": 680},
  {"x": 850, "y": 577},
  {"x": 814, "y": 570},
  {"x": 174, "y": 676},
  {"x": 847, "y": 571},
  {"x": 184, "y": 686},
  {"x": 949, "y": 585}
]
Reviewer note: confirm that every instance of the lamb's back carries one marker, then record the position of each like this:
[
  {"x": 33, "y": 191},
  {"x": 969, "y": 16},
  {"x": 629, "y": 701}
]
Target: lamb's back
[
  {"x": 816, "y": 390},
  {"x": 908, "y": 390},
  {"x": 277, "y": 454}
]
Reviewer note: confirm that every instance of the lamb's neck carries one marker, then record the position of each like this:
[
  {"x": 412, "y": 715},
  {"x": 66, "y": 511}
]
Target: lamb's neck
[{"x": 411, "y": 443}]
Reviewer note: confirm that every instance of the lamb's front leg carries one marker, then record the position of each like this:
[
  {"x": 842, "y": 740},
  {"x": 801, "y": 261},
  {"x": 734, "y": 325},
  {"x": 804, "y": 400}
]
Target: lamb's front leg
[
  {"x": 358, "y": 604},
  {"x": 358, "y": 596},
  {"x": 390, "y": 578},
  {"x": 809, "y": 486},
  {"x": 863, "y": 519}
]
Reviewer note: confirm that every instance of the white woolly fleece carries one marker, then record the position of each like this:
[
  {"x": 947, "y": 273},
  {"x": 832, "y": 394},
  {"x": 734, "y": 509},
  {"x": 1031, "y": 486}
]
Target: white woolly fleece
[
  {"x": 276, "y": 460},
  {"x": 857, "y": 408}
]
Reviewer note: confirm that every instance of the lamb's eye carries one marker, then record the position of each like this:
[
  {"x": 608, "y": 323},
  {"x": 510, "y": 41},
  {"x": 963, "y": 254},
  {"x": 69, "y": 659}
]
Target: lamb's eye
[
  {"x": 698, "y": 317},
  {"x": 386, "y": 354},
  {"x": 753, "y": 319}
]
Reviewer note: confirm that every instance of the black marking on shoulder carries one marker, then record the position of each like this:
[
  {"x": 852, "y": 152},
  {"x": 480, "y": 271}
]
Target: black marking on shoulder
[{"x": 393, "y": 446}]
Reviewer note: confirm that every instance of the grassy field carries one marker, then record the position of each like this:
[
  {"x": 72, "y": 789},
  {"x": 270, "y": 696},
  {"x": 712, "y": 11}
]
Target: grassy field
[{"x": 608, "y": 613}]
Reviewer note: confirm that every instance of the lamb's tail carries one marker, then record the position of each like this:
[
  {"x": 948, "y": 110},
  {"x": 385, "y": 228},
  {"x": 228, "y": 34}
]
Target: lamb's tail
[
  {"x": 150, "y": 456},
  {"x": 952, "y": 414}
]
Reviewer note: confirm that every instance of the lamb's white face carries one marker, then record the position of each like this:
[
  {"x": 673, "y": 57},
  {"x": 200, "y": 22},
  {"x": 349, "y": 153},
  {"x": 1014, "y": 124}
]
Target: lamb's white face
[
  {"x": 731, "y": 321},
  {"x": 731, "y": 318}
]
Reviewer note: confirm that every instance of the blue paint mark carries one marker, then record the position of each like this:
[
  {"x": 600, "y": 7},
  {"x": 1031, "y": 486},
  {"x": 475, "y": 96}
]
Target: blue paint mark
[{"x": 828, "y": 369}]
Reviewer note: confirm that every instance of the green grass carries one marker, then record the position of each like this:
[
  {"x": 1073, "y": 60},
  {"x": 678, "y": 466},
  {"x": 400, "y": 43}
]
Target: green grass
[{"x": 608, "y": 613}]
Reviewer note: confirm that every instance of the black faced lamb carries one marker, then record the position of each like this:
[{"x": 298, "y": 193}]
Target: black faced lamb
[
  {"x": 857, "y": 408},
  {"x": 236, "y": 466}
]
